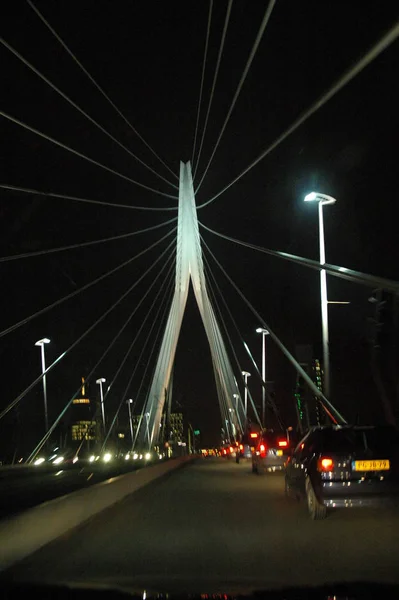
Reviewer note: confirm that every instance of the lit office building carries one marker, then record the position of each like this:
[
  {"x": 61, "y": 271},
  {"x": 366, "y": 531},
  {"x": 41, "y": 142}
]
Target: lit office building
[{"x": 83, "y": 422}]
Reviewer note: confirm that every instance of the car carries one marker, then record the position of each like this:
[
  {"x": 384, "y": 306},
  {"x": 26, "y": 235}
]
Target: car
[
  {"x": 345, "y": 466},
  {"x": 271, "y": 452},
  {"x": 243, "y": 448}
]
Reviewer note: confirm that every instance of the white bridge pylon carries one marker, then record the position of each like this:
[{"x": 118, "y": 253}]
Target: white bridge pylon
[{"x": 190, "y": 267}]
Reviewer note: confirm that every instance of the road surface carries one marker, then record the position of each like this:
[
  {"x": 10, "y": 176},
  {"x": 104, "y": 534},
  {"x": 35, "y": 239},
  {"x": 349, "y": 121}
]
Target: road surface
[{"x": 214, "y": 526}]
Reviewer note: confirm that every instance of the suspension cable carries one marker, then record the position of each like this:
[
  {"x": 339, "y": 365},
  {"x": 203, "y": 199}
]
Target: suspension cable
[
  {"x": 82, "y": 336},
  {"x": 255, "y": 47},
  {"x": 72, "y": 55},
  {"x": 14, "y": 188},
  {"x": 90, "y": 160},
  {"x": 208, "y": 29},
  {"x": 137, "y": 362},
  {"x": 160, "y": 326},
  {"x": 350, "y": 74},
  {"x": 80, "y": 109},
  {"x": 84, "y": 244},
  {"x": 271, "y": 402},
  {"x": 228, "y": 334},
  {"x": 340, "y": 272},
  {"x": 48, "y": 434},
  {"x": 274, "y": 337},
  {"x": 81, "y": 289},
  {"x": 225, "y": 27}
]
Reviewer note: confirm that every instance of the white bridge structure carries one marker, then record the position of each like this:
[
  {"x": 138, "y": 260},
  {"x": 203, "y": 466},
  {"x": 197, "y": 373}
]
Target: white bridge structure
[{"x": 190, "y": 268}]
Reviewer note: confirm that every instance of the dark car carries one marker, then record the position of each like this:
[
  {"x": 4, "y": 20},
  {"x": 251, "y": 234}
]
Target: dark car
[
  {"x": 271, "y": 452},
  {"x": 334, "y": 467}
]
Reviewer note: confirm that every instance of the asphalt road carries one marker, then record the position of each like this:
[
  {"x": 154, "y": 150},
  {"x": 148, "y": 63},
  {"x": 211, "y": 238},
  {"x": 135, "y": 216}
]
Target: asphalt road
[{"x": 214, "y": 526}]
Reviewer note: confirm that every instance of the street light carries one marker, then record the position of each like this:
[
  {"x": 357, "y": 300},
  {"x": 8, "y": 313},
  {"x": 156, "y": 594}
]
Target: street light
[
  {"x": 236, "y": 396},
  {"x": 129, "y": 402},
  {"x": 264, "y": 333},
  {"x": 246, "y": 375},
  {"x": 100, "y": 383},
  {"x": 41, "y": 344},
  {"x": 323, "y": 200}
]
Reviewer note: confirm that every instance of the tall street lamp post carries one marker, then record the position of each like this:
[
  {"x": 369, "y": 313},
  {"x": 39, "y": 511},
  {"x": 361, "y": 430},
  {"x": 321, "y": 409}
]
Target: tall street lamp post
[
  {"x": 264, "y": 333},
  {"x": 129, "y": 407},
  {"x": 100, "y": 383},
  {"x": 246, "y": 375},
  {"x": 323, "y": 200},
  {"x": 41, "y": 344}
]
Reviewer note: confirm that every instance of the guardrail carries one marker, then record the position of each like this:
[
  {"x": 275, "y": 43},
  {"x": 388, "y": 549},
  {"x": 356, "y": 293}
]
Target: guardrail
[{"x": 25, "y": 533}]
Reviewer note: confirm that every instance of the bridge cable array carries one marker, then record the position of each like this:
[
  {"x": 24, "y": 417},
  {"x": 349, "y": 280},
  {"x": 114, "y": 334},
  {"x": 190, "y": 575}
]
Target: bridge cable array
[
  {"x": 80, "y": 109},
  {"x": 328, "y": 407},
  {"x": 85, "y": 71},
  {"x": 341, "y": 272},
  {"x": 85, "y": 244},
  {"x": 167, "y": 283},
  {"x": 84, "y": 334},
  {"x": 350, "y": 74},
  {"x": 81, "y": 155},
  {"x": 83, "y": 288},
  {"x": 14, "y": 188},
  {"x": 208, "y": 29},
  {"x": 215, "y": 76},
  {"x": 92, "y": 371},
  {"x": 210, "y": 274},
  {"x": 252, "y": 54}
]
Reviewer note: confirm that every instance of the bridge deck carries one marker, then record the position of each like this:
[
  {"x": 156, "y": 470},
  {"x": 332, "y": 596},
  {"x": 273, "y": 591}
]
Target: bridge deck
[{"x": 216, "y": 526}]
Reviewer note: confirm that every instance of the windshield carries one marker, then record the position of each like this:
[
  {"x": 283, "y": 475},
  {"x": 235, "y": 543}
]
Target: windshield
[{"x": 199, "y": 267}]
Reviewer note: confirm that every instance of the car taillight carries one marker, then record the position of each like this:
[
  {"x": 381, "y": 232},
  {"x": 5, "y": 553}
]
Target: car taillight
[
  {"x": 283, "y": 443},
  {"x": 253, "y": 435},
  {"x": 231, "y": 449},
  {"x": 262, "y": 450},
  {"x": 325, "y": 464},
  {"x": 241, "y": 447}
]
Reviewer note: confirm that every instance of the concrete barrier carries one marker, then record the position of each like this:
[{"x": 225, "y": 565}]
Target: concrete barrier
[{"x": 25, "y": 533}]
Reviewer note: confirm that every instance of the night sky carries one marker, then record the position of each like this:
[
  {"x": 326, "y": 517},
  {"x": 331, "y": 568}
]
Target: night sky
[{"x": 148, "y": 57}]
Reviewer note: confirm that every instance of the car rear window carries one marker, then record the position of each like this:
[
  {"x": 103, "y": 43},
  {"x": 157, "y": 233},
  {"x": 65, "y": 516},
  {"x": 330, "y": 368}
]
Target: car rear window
[
  {"x": 376, "y": 439},
  {"x": 272, "y": 438}
]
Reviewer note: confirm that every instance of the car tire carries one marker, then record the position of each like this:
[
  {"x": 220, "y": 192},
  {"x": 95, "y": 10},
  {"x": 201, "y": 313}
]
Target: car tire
[{"x": 317, "y": 511}]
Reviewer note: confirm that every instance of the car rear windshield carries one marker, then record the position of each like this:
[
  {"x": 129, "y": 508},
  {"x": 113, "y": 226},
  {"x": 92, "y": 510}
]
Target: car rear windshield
[
  {"x": 272, "y": 438},
  {"x": 376, "y": 439}
]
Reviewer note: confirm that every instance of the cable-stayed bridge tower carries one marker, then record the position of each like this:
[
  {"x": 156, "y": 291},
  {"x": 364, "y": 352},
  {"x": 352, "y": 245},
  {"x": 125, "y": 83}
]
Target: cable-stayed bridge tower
[{"x": 190, "y": 269}]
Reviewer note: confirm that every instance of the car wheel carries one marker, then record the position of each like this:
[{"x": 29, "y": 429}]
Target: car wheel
[{"x": 317, "y": 511}]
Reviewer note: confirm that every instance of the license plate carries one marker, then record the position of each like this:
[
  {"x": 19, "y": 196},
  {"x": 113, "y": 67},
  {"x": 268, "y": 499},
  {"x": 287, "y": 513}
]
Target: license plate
[
  {"x": 279, "y": 452},
  {"x": 371, "y": 465}
]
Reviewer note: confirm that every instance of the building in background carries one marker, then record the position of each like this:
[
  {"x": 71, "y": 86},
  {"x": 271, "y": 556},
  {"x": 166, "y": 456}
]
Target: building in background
[
  {"x": 84, "y": 426},
  {"x": 306, "y": 403}
]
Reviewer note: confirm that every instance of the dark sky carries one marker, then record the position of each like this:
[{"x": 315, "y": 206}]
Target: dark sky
[{"x": 148, "y": 57}]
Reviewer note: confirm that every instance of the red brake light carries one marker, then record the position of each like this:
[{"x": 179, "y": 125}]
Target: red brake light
[
  {"x": 325, "y": 464},
  {"x": 241, "y": 447},
  {"x": 231, "y": 449},
  {"x": 253, "y": 435},
  {"x": 283, "y": 443},
  {"x": 262, "y": 450}
]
